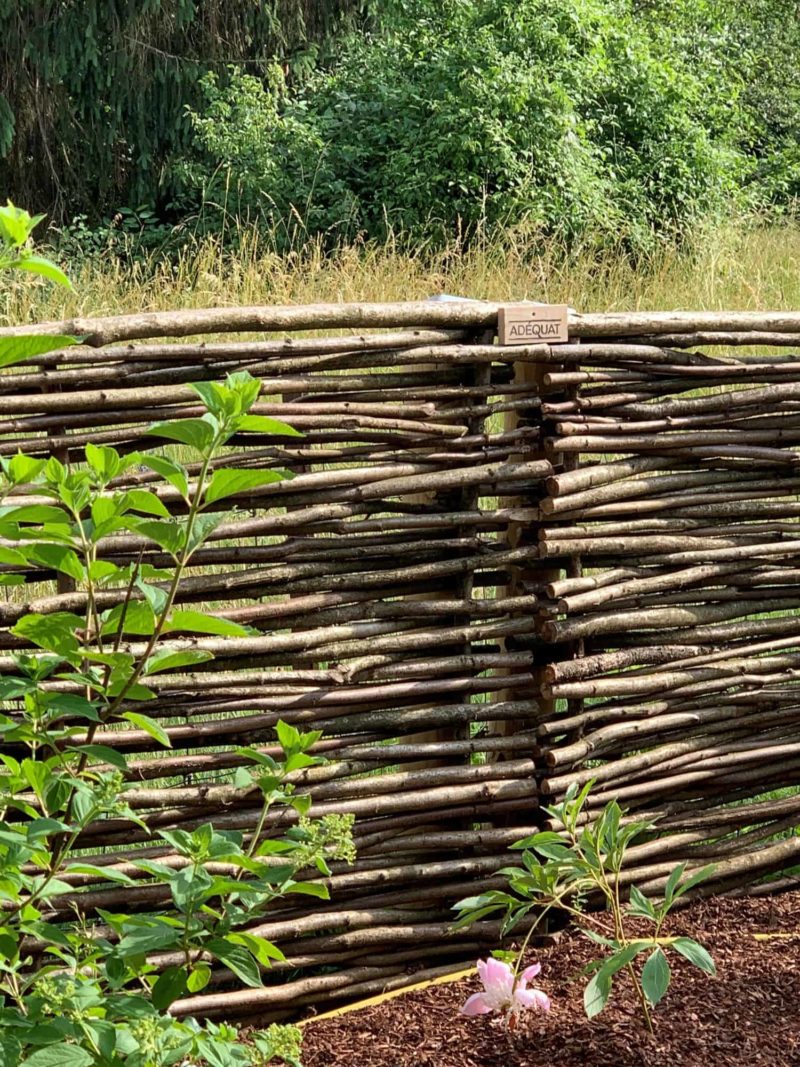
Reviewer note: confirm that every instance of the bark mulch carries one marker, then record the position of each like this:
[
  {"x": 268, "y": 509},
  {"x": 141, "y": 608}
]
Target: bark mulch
[{"x": 749, "y": 1014}]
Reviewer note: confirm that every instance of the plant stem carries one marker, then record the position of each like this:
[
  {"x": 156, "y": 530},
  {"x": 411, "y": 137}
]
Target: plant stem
[{"x": 637, "y": 985}]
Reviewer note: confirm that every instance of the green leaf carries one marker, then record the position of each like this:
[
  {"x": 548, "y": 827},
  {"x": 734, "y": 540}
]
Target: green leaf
[
  {"x": 136, "y": 617},
  {"x": 288, "y": 736},
  {"x": 242, "y": 779},
  {"x": 59, "y": 558},
  {"x": 263, "y": 759},
  {"x": 695, "y": 879},
  {"x": 672, "y": 882},
  {"x": 301, "y": 802},
  {"x": 167, "y": 534},
  {"x": 43, "y": 267},
  {"x": 202, "y": 528},
  {"x": 60, "y": 1054},
  {"x": 263, "y": 950},
  {"x": 55, "y": 632},
  {"x": 71, "y": 704},
  {"x": 106, "y": 874},
  {"x": 598, "y": 938},
  {"x": 14, "y": 687},
  {"x": 16, "y": 225},
  {"x": 46, "y": 932},
  {"x": 48, "y": 1033},
  {"x": 105, "y": 1037},
  {"x": 152, "y": 937},
  {"x": 189, "y": 886},
  {"x": 21, "y": 468},
  {"x": 169, "y": 987},
  {"x": 555, "y": 851},
  {"x": 309, "y": 889},
  {"x": 244, "y": 387},
  {"x": 655, "y": 976},
  {"x": 166, "y": 659},
  {"x": 106, "y": 515},
  {"x": 120, "y": 661},
  {"x": 180, "y": 840},
  {"x": 12, "y": 557},
  {"x": 199, "y": 623},
  {"x": 598, "y": 990},
  {"x": 546, "y": 837},
  {"x": 36, "y": 775},
  {"x": 104, "y": 754},
  {"x": 150, "y": 726},
  {"x": 237, "y": 959},
  {"x": 217, "y": 399},
  {"x": 104, "y": 461},
  {"x": 155, "y": 596},
  {"x": 265, "y": 424},
  {"x": 695, "y": 954},
  {"x": 298, "y": 761},
  {"x": 146, "y": 502},
  {"x": 127, "y": 1006},
  {"x": 199, "y": 433},
  {"x": 199, "y": 978},
  {"x": 596, "y": 994},
  {"x": 40, "y": 513},
  {"x": 16, "y": 349},
  {"x": 640, "y": 905},
  {"x": 101, "y": 571},
  {"x": 174, "y": 473},
  {"x": 230, "y": 482}
]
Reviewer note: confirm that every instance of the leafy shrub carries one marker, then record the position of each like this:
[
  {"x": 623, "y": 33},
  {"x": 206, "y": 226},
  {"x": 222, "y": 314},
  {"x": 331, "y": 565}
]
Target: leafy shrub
[
  {"x": 744, "y": 56},
  {"x": 82, "y": 993},
  {"x": 95, "y": 989},
  {"x": 92, "y": 92},
  {"x": 563, "y": 116}
]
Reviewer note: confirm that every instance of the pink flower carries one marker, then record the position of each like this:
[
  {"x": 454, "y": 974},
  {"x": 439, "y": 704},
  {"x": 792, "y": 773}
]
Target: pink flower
[{"x": 502, "y": 993}]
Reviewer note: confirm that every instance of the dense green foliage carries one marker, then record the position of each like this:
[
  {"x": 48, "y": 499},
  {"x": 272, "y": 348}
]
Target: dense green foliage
[
  {"x": 559, "y": 114},
  {"x": 93, "y": 92},
  {"x": 429, "y": 118}
]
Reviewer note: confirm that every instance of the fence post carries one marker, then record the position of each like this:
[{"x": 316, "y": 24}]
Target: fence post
[{"x": 465, "y": 500}]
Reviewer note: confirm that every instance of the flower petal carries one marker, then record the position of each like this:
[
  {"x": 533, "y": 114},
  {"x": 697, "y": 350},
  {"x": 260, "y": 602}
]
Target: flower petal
[
  {"x": 498, "y": 981},
  {"x": 476, "y": 1005},
  {"x": 531, "y": 998},
  {"x": 530, "y": 972}
]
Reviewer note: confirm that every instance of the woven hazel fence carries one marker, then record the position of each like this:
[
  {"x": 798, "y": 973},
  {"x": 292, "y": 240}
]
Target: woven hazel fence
[{"x": 496, "y": 571}]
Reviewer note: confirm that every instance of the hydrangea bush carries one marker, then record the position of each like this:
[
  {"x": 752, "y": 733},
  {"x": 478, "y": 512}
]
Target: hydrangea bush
[{"x": 88, "y": 992}]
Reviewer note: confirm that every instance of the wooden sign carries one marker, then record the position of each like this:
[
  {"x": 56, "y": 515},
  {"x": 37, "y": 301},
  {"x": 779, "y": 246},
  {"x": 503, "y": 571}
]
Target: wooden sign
[{"x": 530, "y": 324}]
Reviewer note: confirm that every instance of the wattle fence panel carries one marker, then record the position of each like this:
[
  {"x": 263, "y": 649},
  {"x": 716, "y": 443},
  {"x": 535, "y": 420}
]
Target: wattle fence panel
[{"x": 497, "y": 571}]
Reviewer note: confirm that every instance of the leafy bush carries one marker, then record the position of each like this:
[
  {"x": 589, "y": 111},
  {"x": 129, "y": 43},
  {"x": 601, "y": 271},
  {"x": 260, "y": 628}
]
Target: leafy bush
[
  {"x": 87, "y": 992},
  {"x": 561, "y": 116},
  {"x": 744, "y": 54},
  {"x": 92, "y": 92}
]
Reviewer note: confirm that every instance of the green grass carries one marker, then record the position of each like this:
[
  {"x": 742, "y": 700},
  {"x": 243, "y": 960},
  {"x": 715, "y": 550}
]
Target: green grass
[{"x": 733, "y": 268}]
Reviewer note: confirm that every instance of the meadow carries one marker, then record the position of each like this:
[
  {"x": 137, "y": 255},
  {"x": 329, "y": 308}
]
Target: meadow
[{"x": 722, "y": 266}]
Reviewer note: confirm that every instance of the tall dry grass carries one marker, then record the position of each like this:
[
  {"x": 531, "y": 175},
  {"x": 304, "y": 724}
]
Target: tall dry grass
[{"x": 730, "y": 268}]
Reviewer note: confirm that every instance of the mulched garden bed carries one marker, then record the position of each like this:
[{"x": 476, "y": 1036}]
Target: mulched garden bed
[{"x": 748, "y": 1014}]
